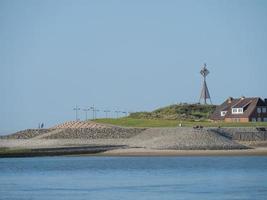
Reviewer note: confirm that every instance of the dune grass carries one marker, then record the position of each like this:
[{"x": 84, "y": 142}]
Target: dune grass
[{"x": 131, "y": 122}]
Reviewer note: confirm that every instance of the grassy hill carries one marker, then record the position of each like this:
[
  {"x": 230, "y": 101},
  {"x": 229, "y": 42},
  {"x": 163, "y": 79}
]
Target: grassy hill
[
  {"x": 130, "y": 122},
  {"x": 171, "y": 116},
  {"x": 188, "y": 112}
]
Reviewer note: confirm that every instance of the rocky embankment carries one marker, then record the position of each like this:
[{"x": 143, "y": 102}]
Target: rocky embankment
[
  {"x": 77, "y": 130},
  {"x": 94, "y": 133},
  {"x": 243, "y": 133},
  {"x": 183, "y": 139},
  {"x": 91, "y": 133},
  {"x": 26, "y": 134}
]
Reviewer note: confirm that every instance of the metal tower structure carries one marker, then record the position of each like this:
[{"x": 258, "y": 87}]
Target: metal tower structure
[{"x": 205, "y": 91}]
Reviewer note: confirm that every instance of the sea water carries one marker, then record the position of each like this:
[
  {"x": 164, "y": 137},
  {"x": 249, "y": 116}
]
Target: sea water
[{"x": 133, "y": 178}]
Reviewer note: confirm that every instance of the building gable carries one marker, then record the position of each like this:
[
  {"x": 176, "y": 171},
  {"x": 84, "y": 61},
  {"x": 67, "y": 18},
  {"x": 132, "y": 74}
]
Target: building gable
[{"x": 240, "y": 108}]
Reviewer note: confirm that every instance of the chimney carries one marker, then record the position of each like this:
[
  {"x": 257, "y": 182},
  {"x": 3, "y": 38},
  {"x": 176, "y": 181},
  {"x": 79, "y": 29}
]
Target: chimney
[{"x": 230, "y": 99}]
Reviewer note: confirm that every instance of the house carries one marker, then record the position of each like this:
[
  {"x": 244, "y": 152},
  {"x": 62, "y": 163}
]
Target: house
[{"x": 241, "y": 110}]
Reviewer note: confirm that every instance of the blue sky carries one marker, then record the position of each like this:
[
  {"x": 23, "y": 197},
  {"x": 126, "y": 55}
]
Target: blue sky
[{"x": 125, "y": 55}]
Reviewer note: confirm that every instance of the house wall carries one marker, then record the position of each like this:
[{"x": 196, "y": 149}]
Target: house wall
[
  {"x": 236, "y": 120},
  {"x": 257, "y": 115}
]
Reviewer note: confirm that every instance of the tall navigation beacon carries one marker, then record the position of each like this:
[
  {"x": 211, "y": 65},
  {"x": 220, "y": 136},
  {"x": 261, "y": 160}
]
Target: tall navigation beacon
[{"x": 205, "y": 91}]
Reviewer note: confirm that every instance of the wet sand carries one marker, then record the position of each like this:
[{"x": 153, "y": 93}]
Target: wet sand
[
  {"x": 154, "y": 152},
  {"x": 118, "y": 150}
]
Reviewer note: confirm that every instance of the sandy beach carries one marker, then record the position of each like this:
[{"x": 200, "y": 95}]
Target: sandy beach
[
  {"x": 153, "y": 152},
  {"x": 24, "y": 148}
]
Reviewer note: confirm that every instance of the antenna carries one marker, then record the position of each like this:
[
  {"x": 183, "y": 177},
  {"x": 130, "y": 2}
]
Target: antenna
[
  {"x": 117, "y": 112},
  {"x": 106, "y": 111},
  {"x": 96, "y": 110},
  {"x": 76, "y": 111},
  {"x": 205, "y": 91},
  {"x": 86, "y": 111},
  {"x": 93, "y": 110}
]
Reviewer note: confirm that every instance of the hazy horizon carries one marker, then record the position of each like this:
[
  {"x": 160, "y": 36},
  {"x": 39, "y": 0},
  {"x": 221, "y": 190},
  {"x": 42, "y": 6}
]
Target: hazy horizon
[{"x": 125, "y": 55}]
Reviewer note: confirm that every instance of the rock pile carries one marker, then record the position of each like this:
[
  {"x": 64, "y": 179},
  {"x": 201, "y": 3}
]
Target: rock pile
[
  {"x": 95, "y": 133},
  {"x": 183, "y": 139},
  {"x": 90, "y": 130},
  {"x": 26, "y": 134},
  {"x": 243, "y": 133},
  {"x": 81, "y": 124},
  {"x": 179, "y": 138}
]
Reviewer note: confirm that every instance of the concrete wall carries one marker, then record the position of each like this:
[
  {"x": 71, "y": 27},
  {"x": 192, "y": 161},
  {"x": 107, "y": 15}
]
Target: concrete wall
[
  {"x": 242, "y": 134},
  {"x": 249, "y": 136}
]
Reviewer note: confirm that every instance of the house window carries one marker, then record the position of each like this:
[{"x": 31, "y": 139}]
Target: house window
[
  {"x": 253, "y": 119},
  {"x": 237, "y": 110},
  {"x": 264, "y": 110},
  {"x": 259, "y": 119},
  {"x": 265, "y": 119},
  {"x": 223, "y": 113},
  {"x": 258, "y": 110},
  {"x": 240, "y": 110}
]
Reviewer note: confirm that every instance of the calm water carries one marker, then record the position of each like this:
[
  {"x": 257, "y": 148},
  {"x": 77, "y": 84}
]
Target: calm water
[{"x": 134, "y": 178}]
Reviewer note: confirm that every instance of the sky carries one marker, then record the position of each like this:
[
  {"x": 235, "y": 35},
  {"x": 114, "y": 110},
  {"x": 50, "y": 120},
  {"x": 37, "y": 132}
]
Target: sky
[{"x": 125, "y": 55}]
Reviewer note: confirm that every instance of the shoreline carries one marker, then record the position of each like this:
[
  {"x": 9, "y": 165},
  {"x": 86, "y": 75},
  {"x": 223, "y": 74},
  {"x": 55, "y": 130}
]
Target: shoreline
[
  {"x": 117, "y": 141},
  {"x": 154, "y": 152},
  {"x": 112, "y": 151},
  {"x": 57, "y": 151}
]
